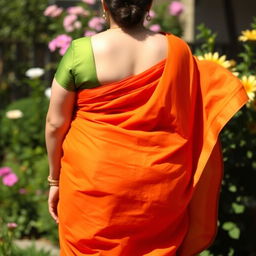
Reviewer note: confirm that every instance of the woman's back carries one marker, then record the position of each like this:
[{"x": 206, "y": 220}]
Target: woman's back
[{"x": 118, "y": 54}]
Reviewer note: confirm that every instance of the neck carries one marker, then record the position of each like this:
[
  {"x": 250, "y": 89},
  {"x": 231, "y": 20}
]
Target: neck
[
  {"x": 139, "y": 27},
  {"x": 114, "y": 25}
]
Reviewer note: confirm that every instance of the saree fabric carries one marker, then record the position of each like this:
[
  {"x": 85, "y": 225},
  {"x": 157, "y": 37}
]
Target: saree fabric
[{"x": 142, "y": 163}]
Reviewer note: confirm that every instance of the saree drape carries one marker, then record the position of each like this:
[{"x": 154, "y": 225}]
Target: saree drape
[{"x": 142, "y": 164}]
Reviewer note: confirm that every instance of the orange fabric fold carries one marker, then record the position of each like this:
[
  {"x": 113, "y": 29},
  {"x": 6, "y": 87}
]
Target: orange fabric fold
[{"x": 142, "y": 166}]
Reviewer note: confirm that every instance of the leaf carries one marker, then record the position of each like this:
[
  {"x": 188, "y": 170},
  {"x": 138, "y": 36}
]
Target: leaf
[
  {"x": 231, "y": 252},
  {"x": 238, "y": 208},
  {"x": 205, "y": 253},
  {"x": 228, "y": 225},
  {"x": 234, "y": 233},
  {"x": 232, "y": 188},
  {"x": 232, "y": 228},
  {"x": 249, "y": 154}
]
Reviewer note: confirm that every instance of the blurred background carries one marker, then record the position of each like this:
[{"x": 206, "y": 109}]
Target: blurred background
[{"x": 34, "y": 35}]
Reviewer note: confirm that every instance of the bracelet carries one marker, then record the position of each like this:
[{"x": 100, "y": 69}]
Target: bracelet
[{"x": 52, "y": 182}]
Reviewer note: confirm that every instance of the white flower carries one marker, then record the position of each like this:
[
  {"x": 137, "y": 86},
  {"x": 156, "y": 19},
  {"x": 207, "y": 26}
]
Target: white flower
[
  {"x": 34, "y": 72},
  {"x": 14, "y": 114},
  {"x": 77, "y": 24},
  {"x": 47, "y": 93}
]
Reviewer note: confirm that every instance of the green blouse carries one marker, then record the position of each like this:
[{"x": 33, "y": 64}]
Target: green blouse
[{"x": 76, "y": 69}]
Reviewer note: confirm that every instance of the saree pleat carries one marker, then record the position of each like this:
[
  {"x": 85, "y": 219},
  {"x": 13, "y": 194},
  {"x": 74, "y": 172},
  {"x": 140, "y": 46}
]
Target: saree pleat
[{"x": 142, "y": 165}]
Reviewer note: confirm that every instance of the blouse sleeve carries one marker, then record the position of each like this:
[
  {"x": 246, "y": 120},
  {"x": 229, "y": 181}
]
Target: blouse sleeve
[{"x": 65, "y": 71}]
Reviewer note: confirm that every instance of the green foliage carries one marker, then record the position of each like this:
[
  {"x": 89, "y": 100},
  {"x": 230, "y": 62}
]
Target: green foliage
[
  {"x": 14, "y": 250},
  {"x": 9, "y": 248},
  {"x": 248, "y": 56},
  {"x": 27, "y": 207},
  {"x": 23, "y": 20},
  {"x": 207, "y": 38},
  {"x": 6, "y": 237},
  {"x": 30, "y": 251},
  {"x": 167, "y": 22},
  {"x": 205, "y": 253},
  {"x": 233, "y": 230},
  {"x": 56, "y": 26},
  {"x": 253, "y": 24},
  {"x": 23, "y": 150},
  {"x": 25, "y": 134}
]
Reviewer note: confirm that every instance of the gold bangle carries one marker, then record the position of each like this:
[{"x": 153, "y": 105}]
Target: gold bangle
[{"x": 52, "y": 182}]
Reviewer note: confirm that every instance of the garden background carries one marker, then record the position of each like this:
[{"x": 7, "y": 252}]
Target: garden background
[{"x": 34, "y": 34}]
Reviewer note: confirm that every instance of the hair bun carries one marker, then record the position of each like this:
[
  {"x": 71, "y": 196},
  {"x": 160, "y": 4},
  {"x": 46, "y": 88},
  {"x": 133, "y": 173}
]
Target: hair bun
[{"x": 127, "y": 13}]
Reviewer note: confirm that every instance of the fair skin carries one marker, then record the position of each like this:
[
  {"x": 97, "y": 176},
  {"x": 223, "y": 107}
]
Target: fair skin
[{"x": 143, "y": 49}]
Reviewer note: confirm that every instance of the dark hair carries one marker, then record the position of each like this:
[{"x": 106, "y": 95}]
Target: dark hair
[{"x": 128, "y": 13}]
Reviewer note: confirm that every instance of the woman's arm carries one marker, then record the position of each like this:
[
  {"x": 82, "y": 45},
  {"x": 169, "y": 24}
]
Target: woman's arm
[{"x": 57, "y": 124}]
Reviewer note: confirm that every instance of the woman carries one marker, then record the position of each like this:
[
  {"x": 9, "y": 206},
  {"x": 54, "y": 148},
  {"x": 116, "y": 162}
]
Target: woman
[{"x": 132, "y": 139}]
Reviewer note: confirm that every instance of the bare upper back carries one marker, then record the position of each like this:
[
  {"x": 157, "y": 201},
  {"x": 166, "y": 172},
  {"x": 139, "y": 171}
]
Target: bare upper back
[{"x": 119, "y": 55}]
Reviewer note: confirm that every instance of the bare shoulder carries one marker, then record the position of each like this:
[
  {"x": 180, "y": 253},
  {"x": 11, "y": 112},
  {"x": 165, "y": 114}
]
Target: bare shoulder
[
  {"x": 102, "y": 42},
  {"x": 109, "y": 40},
  {"x": 118, "y": 54}
]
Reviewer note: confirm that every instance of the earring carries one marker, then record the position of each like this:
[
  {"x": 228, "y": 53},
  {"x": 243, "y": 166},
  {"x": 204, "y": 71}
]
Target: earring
[
  {"x": 148, "y": 17},
  {"x": 104, "y": 16}
]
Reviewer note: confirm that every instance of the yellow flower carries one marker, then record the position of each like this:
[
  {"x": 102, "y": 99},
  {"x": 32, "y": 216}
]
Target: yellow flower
[
  {"x": 235, "y": 73},
  {"x": 248, "y": 35},
  {"x": 249, "y": 83},
  {"x": 217, "y": 59}
]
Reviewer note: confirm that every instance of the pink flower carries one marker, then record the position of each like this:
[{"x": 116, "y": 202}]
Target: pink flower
[
  {"x": 5, "y": 171},
  {"x": 176, "y": 8},
  {"x": 52, "y": 45},
  {"x": 50, "y": 9},
  {"x": 77, "y": 10},
  {"x": 155, "y": 28},
  {"x": 12, "y": 225},
  {"x": 62, "y": 42},
  {"x": 89, "y": 33},
  {"x": 69, "y": 21},
  {"x": 10, "y": 179},
  {"x": 89, "y": 1},
  {"x": 152, "y": 14},
  {"x": 57, "y": 13},
  {"x": 63, "y": 50},
  {"x": 69, "y": 28},
  {"x": 53, "y": 11},
  {"x": 96, "y": 23},
  {"x": 22, "y": 191}
]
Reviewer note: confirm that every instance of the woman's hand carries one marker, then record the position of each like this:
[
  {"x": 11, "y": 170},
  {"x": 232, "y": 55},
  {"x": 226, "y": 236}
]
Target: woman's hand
[{"x": 53, "y": 200}]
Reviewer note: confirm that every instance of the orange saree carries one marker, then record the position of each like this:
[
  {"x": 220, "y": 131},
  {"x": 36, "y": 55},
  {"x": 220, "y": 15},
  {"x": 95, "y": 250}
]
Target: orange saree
[{"x": 142, "y": 165}]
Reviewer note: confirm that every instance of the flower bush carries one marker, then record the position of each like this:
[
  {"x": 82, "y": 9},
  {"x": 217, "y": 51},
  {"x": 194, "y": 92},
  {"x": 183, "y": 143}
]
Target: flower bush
[
  {"x": 245, "y": 70},
  {"x": 24, "y": 171},
  {"x": 7, "y": 235},
  {"x": 85, "y": 20},
  {"x": 237, "y": 204},
  {"x": 9, "y": 248}
]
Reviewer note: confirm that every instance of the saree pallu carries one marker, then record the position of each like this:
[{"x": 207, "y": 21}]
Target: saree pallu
[{"x": 142, "y": 164}]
